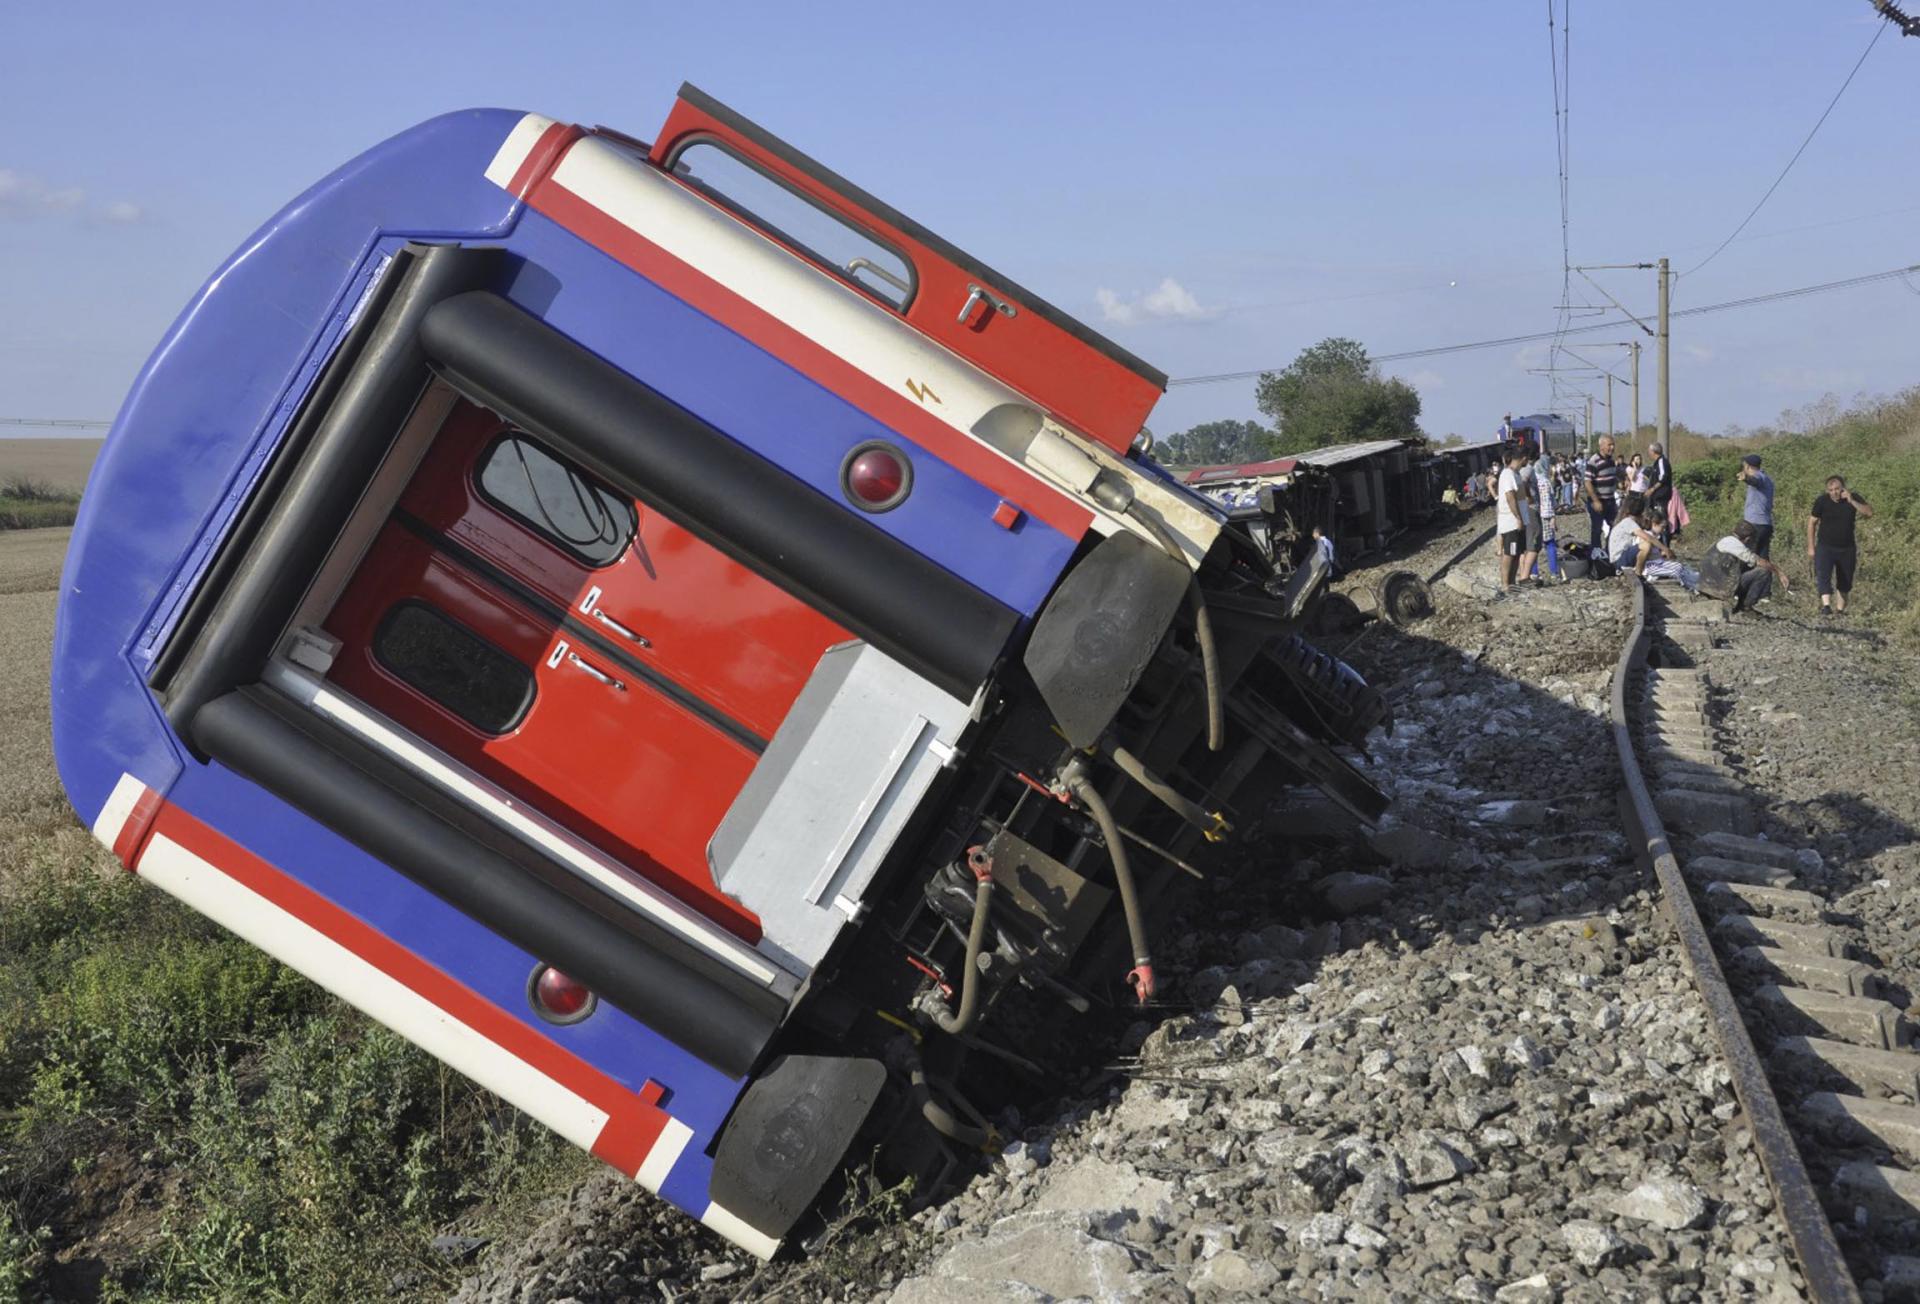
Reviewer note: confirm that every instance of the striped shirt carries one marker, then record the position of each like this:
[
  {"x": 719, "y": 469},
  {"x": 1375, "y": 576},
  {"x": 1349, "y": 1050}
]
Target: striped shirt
[{"x": 1604, "y": 472}]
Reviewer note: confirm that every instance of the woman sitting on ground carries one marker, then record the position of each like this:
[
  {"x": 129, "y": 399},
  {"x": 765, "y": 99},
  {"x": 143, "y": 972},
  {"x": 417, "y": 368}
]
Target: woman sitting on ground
[{"x": 1631, "y": 545}]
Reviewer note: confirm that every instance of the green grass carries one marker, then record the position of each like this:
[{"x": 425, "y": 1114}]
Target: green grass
[
  {"x": 291, "y": 1148},
  {"x": 1876, "y": 446},
  {"x": 30, "y": 504}
]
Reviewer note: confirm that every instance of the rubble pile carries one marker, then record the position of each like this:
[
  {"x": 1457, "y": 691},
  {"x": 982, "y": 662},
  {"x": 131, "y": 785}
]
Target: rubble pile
[{"x": 1489, "y": 1080}]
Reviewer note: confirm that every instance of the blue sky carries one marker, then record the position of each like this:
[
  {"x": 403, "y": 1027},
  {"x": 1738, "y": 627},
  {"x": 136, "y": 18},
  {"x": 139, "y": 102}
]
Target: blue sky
[{"x": 1384, "y": 171}]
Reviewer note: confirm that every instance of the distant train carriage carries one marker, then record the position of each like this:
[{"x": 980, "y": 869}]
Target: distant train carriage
[
  {"x": 676, "y": 639},
  {"x": 1548, "y": 433}
]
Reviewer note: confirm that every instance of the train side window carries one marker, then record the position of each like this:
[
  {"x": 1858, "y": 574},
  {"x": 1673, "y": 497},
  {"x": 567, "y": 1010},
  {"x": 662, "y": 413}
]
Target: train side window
[
  {"x": 454, "y": 666},
  {"x": 797, "y": 221},
  {"x": 556, "y": 500}
]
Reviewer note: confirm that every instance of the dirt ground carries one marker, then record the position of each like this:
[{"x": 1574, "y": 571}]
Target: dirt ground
[{"x": 62, "y": 463}]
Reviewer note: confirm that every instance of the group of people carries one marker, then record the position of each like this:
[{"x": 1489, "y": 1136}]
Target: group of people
[
  {"x": 1630, "y": 509},
  {"x": 1606, "y": 481},
  {"x": 1525, "y": 495}
]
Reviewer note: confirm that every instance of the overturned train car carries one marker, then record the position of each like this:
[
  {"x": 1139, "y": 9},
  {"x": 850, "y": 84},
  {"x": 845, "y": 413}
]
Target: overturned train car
[
  {"x": 674, "y": 638},
  {"x": 1357, "y": 495}
]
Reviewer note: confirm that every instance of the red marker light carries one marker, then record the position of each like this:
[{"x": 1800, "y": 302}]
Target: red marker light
[
  {"x": 557, "y": 997},
  {"x": 876, "y": 477}
]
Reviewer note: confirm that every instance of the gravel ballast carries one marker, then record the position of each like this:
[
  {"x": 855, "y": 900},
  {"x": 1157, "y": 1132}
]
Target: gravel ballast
[{"x": 1454, "y": 1058}]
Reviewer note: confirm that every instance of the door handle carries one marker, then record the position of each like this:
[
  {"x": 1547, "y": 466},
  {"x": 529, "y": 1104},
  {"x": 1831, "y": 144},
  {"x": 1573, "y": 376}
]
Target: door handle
[
  {"x": 590, "y": 606},
  {"x": 562, "y": 651},
  {"x": 597, "y": 673},
  {"x": 977, "y": 296}
]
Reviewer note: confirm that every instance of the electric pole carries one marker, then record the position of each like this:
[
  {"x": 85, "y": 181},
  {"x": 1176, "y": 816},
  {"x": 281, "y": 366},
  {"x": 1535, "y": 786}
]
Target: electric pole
[
  {"x": 1636, "y": 388},
  {"x": 1659, "y": 331},
  {"x": 1589, "y": 421},
  {"x": 1609, "y": 402},
  {"x": 1666, "y": 342}
]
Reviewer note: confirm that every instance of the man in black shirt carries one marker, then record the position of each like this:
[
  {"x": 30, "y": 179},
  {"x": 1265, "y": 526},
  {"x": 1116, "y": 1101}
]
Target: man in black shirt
[
  {"x": 1660, "y": 486},
  {"x": 1603, "y": 488},
  {"x": 1830, "y": 543}
]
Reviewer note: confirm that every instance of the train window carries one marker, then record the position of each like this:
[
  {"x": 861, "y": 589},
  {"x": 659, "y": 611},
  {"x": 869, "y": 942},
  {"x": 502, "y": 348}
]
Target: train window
[
  {"x": 556, "y": 500},
  {"x": 796, "y": 221},
  {"x": 454, "y": 666}
]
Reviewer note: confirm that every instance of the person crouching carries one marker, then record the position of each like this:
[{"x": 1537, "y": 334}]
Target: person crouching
[{"x": 1735, "y": 572}]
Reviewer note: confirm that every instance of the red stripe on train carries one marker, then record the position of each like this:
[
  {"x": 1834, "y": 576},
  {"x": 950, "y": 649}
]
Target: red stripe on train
[
  {"x": 543, "y": 158},
  {"x": 634, "y": 1121}
]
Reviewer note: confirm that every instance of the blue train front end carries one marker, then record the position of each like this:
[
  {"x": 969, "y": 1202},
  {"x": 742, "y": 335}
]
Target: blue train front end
[{"x": 610, "y": 642}]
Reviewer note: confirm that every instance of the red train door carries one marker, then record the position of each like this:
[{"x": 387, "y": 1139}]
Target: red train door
[{"x": 581, "y": 652}]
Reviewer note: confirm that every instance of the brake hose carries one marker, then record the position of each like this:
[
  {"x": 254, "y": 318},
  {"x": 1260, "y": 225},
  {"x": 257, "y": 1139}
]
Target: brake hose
[
  {"x": 938, "y": 1116},
  {"x": 961, "y": 1021},
  {"x": 1141, "y": 975},
  {"x": 1202, "y": 626},
  {"x": 1211, "y": 825}
]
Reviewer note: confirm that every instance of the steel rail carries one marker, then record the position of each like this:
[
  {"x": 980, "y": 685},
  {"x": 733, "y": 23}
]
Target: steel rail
[{"x": 1821, "y": 1262}]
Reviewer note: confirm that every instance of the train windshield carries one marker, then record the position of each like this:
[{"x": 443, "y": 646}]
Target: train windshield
[{"x": 796, "y": 221}]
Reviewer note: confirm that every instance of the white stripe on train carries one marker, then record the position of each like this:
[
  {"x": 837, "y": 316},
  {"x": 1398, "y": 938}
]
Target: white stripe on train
[
  {"x": 514, "y": 149},
  {"x": 112, "y": 819},
  {"x": 854, "y": 329},
  {"x": 204, "y": 887}
]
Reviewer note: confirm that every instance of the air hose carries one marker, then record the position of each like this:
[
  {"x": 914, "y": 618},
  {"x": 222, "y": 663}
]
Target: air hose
[
  {"x": 962, "y": 1020},
  {"x": 939, "y": 1117},
  {"x": 1141, "y": 975},
  {"x": 1211, "y": 825},
  {"x": 1202, "y": 627}
]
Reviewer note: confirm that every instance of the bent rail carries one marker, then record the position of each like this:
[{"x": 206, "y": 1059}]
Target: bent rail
[{"x": 1828, "y": 1279}]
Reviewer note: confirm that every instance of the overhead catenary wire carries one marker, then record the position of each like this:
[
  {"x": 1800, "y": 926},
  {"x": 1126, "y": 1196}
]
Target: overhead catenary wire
[
  {"x": 1560, "y": 61},
  {"x": 1609, "y": 324},
  {"x": 1878, "y": 32}
]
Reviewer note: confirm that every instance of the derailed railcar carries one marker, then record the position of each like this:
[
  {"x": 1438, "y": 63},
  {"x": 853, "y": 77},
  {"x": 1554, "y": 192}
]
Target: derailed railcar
[
  {"x": 1277, "y": 503},
  {"x": 672, "y": 637},
  {"x": 1358, "y": 495}
]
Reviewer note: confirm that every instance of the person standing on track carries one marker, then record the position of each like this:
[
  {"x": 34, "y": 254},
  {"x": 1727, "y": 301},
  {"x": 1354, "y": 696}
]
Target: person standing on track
[
  {"x": 1528, "y": 480},
  {"x": 1758, "y": 511},
  {"x": 1545, "y": 488},
  {"x": 1510, "y": 519},
  {"x": 1830, "y": 543},
  {"x": 1660, "y": 487},
  {"x": 1603, "y": 488}
]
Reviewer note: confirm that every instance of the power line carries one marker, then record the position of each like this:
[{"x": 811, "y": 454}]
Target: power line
[
  {"x": 1748, "y": 302},
  {"x": 55, "y": 423},
  {"x": 1878, "y": 32},
  {"x": 1561, "y": 66}
]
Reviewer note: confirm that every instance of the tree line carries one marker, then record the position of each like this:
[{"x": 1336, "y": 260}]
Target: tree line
[{"x": 1333, "y": 393}]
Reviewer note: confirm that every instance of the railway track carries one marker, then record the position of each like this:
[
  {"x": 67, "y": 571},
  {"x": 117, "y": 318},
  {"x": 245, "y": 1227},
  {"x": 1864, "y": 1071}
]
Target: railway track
[{"x": 1822, "y": 1063}]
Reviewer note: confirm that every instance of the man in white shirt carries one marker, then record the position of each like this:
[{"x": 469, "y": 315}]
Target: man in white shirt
[
  {"x": 1510, "y": 518},
  {"x": 1734, "y": 572}
]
